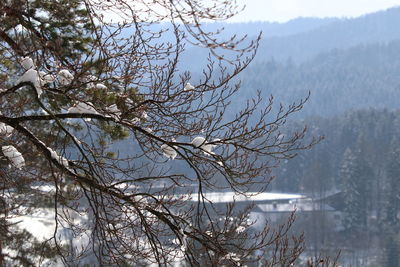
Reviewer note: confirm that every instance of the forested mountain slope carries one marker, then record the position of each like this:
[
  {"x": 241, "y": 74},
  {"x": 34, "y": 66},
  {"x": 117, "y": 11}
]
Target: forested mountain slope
[
  {"x": 340, "y": 80},
  {"x": 302, "y": 39},
  {"x": 271, "y": 29},
  {"x": 379, "y": 27}
]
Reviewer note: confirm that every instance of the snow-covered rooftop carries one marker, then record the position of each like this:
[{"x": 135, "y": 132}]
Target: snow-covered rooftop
[
  {"x": 225, "y": 197},
  {"x": 289, "y": 207}
]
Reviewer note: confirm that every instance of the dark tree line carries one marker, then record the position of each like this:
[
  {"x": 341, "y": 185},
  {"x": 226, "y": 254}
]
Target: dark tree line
[{"x": 359, "y": 160}]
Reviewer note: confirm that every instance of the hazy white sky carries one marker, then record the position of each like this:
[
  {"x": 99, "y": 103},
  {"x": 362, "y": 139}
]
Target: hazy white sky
[{"x": 284, "y": 10}]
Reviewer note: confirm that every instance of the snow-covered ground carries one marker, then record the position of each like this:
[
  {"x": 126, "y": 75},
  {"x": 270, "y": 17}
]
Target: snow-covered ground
[{"x": 40, "y": 224}]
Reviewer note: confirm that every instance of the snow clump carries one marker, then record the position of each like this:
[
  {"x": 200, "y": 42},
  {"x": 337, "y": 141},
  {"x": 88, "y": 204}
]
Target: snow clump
[
  {"x": 14, "y": 156},
  {"x": 200, "y": 142},
  {"x": 101, "y": 86},
  {"x": 84, "y": 108},
  {"x": 65, "y": 77},
  {"x": 32, "y": 76},
  {"x": 188, "y": 87},
  {"x": 5, "y": 129},
  {"x": 169, "y": 151},
  {"x": 27, "y": 63}
]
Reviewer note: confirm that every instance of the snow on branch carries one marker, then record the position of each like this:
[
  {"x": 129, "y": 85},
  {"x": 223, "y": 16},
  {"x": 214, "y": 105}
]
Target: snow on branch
[
  {"x": 60, "y": 159},
  {"x": 200, "y": 142},
  {"x": 5, "y": 129},
  {"x": 169, "y": 151},
  {"x": 65, "y": 77},
  {"x": 33, "y": 77},
  {"x": 14, "y": 156},
  {"x": 83, "y": 108}
]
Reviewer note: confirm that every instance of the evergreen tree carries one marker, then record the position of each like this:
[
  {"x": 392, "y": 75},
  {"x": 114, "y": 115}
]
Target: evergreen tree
[
  {"x": 49, "y": 33},
  {"x": 392, "y": 198},
  {"x": 356, "y": 176},
  {"x": 347, "y": 173}
]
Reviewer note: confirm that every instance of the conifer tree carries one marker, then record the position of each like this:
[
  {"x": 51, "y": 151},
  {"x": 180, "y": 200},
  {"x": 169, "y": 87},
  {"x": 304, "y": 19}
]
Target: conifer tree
[
  {"x": 392, "y": 200},
  {"x": 356, "y": 178}
]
